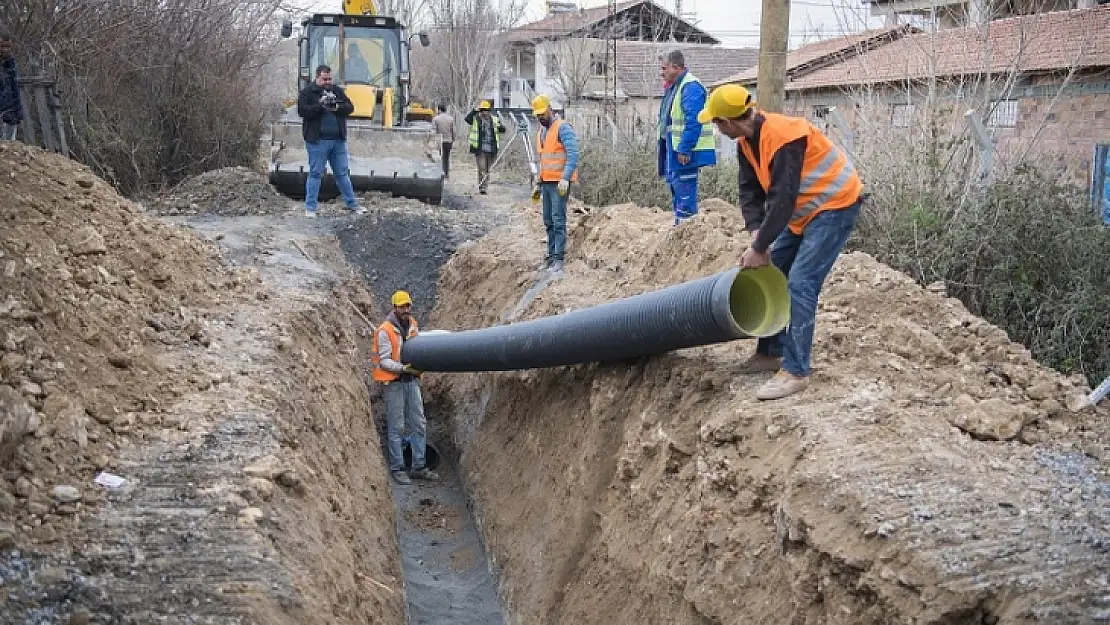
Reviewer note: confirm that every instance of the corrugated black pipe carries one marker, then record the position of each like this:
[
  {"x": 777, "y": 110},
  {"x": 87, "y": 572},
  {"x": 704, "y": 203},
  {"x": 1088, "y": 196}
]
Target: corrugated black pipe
[{"x": 730, "y": 305}]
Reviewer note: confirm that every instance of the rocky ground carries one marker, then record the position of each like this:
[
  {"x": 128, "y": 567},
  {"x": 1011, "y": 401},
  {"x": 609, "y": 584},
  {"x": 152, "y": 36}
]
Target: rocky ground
[
  {"x": 933, "y": 473},
  {"x": 222, "y": 383},
  {"x": 231, "y": 192}
]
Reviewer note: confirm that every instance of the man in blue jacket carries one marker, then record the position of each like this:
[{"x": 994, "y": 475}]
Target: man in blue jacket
[
  {"x": 11, "y": 106},
  {"x": 684, "y": 144}
]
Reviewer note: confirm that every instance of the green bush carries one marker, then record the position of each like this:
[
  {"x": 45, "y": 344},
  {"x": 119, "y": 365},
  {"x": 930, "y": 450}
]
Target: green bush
[{"x": 1029, "y": 255}]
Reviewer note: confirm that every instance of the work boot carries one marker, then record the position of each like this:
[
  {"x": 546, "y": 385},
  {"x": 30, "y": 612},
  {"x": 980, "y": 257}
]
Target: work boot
[
  {"x": 311, "y": 214},
  {"x": 357, "y": 210},
  {"x": 401, "y": 478},
  {"x": 556, "y": 266},
  {"x": 758, "y": 363},
  {"x": 424, "y": 474},
  {"x": 782, "y": 385}
]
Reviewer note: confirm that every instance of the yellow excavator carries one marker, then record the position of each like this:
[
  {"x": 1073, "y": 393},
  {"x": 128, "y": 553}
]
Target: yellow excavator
[{"x": 389, "y": 136}]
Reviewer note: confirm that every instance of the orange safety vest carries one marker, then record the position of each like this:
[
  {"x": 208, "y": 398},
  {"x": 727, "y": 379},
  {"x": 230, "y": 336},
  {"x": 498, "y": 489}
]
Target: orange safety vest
[
  {"x": 829, "y": 181},
  {"x": 553, "y": 155},
  {"x": 379, "y": 374}
]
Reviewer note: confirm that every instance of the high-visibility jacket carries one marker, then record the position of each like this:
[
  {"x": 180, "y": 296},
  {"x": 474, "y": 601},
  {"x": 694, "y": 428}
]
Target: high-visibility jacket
[
  {"x": 706, "y": 142},
  {"x": 553, "y": 155},
  {"x": 379, "y": 374},
  {"x": 829, "y": 181},
  {"x": 474, "y": 134}
]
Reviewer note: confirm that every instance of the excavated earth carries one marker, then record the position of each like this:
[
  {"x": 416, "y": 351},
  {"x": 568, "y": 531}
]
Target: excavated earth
[
  {"x": 932, "y": 474},
  {"x": 224, "y": 385}
]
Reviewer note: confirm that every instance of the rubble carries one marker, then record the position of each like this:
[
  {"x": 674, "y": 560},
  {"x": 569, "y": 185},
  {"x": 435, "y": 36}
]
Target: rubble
[{"x": 230, "y": 191}]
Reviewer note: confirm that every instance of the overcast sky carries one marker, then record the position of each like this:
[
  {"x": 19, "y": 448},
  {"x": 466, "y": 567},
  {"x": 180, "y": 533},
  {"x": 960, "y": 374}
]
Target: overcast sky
[{"x": 736, "y": 22}]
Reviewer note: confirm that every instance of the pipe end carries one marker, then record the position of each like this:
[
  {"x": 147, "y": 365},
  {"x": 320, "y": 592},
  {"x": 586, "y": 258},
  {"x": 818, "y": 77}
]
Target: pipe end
[{"x": 759, "y": 301}]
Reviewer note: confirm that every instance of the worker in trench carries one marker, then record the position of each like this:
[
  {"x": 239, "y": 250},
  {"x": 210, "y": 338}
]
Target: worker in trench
[
  {"x": 800, "y": 196},
  {"x": 557, "y": 150},
  {"x": 401, "y": 390}
]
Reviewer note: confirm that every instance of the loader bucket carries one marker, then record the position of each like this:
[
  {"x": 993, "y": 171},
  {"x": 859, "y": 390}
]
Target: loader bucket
[{"x": 400, "y": 161}]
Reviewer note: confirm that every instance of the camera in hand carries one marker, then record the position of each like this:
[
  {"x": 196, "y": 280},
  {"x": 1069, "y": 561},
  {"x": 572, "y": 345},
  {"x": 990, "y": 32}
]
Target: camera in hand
[{"x": 329, "y": 100}]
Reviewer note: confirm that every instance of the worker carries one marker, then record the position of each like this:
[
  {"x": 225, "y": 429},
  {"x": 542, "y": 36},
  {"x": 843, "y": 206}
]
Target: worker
[
  {"x": 484, "y": 126},
  {"x": 355, "y": 70},
  {"x": 401, "y": 389},
  {"x": 685, "y": 145},
  {"x": 557, "y": 150},
  {"x": 800, "y": 196},
  {"x": 445, "y": 127},
  {"x": 11, "y": 104},
  {"x": 324, "y": 107}
]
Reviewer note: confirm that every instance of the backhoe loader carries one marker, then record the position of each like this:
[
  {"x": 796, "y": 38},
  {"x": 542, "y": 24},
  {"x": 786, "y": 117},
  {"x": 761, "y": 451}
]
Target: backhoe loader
[{"x": 389, "y": 138}]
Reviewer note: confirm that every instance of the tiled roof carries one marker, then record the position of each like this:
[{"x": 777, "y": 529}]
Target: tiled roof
[
  {"x": 827, "y": 49},
  {"x": 638, "y": 64},
  {"x": 566, "y": 24},
  {"x": 1054, "y": 41}
]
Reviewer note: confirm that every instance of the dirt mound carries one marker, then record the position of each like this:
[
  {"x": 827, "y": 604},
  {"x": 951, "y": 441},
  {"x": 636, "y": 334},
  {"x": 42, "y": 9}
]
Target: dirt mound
[
  {"x": 231, "y": 191},
  {"x": 931, "y": 473},
  {"x": 126, "y": 346}
]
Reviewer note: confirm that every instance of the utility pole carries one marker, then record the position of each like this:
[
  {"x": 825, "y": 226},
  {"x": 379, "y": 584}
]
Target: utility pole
[
  {"x": 609, "y": 102},
  {"x": 774, "y": 39}
]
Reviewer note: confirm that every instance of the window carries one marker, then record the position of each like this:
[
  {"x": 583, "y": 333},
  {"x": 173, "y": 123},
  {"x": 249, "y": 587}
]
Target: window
[
  {"x": 901, "y": 115},
  {"x": 820, "y": 111},
  {"x": 597, "y": 65},
  {"x": 1100, "y": 182},
  {"x": 552, "y": 63},
  {"x": 1003, "y": 114}
]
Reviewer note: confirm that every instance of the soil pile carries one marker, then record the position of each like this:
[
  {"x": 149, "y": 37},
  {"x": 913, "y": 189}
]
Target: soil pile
[
  {"x": 231, "y": 191},
  {"x": 229, "y": 400},
  {"x": 932, "y": 473}
]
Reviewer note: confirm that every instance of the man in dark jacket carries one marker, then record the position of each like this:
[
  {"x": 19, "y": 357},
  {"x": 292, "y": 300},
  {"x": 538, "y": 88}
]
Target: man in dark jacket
[
  {"x": 11, "y": 106},
  {"x": 324, "y": 108},
  {"x": 484, "y": 126}
]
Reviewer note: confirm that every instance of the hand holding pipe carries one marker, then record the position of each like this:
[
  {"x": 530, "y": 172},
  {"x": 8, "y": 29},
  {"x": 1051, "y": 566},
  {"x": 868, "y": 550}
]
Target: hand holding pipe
[{"x": 730, "y": 305}]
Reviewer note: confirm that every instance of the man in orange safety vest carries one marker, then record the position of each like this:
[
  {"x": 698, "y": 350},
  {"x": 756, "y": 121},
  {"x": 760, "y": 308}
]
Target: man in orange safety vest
[
  {"x": 401, "y": 390},
  {"x": 800, "y": 196},
  {"x": 557, "y": 149}
]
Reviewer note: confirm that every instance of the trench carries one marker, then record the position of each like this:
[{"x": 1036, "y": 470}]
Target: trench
[{"x": 448, "y": 577}]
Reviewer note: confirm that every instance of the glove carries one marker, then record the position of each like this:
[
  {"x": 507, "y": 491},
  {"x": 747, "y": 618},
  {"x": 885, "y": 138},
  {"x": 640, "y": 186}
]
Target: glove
[
  {"x": 535, "y": 194},
  {"x": 564, "y": 186},
  {"x": 411, "y": 371}
]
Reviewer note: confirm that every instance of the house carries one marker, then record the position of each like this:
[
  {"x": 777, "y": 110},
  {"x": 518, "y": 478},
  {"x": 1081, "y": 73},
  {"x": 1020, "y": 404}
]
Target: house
[
  {"x": 961, "y": 13},
  {"x": 564, "y": 56},
  {"x": 1041, "y": 84}
]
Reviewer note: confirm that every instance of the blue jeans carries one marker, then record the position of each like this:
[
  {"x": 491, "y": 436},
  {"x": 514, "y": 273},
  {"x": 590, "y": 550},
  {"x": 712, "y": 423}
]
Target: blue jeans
[
  {"x": 684, "y": 193},
  {"x": 404, "y": 405},
  {"x": 554, "y": 219},
  {"x": 8, "y": 131},
  {"x": 806, "y": 260},
  {"x": 320, "y": 154}
]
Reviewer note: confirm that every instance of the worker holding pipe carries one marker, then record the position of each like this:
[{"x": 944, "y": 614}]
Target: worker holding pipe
[
  {"x": 557, "y": 150},
  {"x": 800, "y": 197},
  {"x": 401, "y": 389}
]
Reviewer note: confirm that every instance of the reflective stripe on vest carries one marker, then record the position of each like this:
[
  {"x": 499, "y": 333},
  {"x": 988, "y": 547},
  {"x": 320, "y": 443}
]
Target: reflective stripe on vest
[
  {"x": 829, "y": 180},
  {"x": 553, "y": 155},
  {"x": 379, "y": 374},
  {"x": 678, "y": 120},
  {"x": 495, "y": 122}
]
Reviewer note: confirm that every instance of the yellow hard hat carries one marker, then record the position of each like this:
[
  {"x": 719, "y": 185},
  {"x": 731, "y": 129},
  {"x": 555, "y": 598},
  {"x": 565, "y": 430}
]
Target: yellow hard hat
[
  {"x": 400, "y": 298},
  {"x": 726, "y": 102},
  {"x": 540, "y": 105},
  {"x": 485, "y": 105}
]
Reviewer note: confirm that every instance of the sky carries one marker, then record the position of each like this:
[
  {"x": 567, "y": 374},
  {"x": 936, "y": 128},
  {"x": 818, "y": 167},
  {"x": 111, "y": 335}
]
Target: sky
[{"x": 736, "y": 22}]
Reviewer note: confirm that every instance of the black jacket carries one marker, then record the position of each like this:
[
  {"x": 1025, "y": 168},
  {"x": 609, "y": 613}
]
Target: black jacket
[
  {"x": 470, "y": 118},
  {"x": 769, "y": 211},
  {"x": 311, "y": 111}
]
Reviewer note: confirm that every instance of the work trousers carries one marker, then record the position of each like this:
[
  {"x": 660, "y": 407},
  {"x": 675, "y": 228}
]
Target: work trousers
[
  {"x": 806, "y": 259},
  {"x": 554, "y": 219},
  {"x": 484, "y": 160},
  {"x": 8, "y": 131},
  {"x": 446, "y": 158},
  {"x": 684, "y": 193},
  {"x": 320, "y": 154},
  {"x": 404, "y": 406}
]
